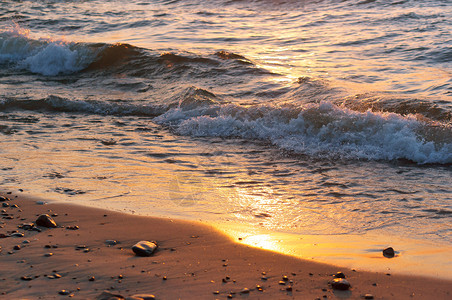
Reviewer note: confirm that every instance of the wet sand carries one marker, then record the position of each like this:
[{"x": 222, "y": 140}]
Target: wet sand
[{"x": 193, "y": 261}]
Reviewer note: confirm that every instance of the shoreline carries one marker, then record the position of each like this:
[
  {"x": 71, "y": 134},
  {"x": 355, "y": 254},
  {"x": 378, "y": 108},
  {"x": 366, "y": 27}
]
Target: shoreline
[{"x": 193, "y": 260}]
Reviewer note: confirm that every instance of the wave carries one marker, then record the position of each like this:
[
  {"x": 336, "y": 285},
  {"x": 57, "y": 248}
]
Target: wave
[
  {"x": 60, "y": 104},
  {"x": 322, "y": 130},
  {"x": 51, "y": 57},
  {"x": 43, "y": 56}
]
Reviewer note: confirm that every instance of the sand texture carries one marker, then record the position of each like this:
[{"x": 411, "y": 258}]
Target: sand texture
[{"x": 193, "y": 261}]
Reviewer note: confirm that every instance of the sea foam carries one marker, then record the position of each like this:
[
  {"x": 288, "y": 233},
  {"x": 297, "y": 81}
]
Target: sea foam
[
  {"x": 43, "y": 56},
  {"x": 321, "y": 130}
]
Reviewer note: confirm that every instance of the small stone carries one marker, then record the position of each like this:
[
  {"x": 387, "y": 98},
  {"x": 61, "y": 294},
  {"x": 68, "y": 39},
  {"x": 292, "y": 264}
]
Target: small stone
[
  {"x": 26, "y": 242},
  {"x": 17, "y": 234},
  {"x": 388, "y": 252},
  {"x": 16, "y": 247},
  {"x": 26, "y": 278},
  {"x": 86, "y": 250},
  {"x": 144, "y": 248},
  {"x": 3, "y": 199},
  {"x": 75, "y": 227},
  {"x": 264, "y": 278},
  {"x": 143, "y": 297},
  {"x": 165, "y": 278},
  {"x": 281, "y": 282},
  {"x": 230, "y": 296},
  {"x": 40, "y": 202},
  {"x": 289, "y": 289},
  {"x": 92, "y": 278},
  {"x": 259, "y": 288},
  {"x": 368, "y": 296},
  {"x": 216, "y": 292},
  {"x": 339, "y": 275},
  {"x": 27, "y": 226},
  {"x": 48, "y": 254},
  {"x": 111, "y": 242},
  {"x": 285, "y": 278},
  {"x": 64, "y": 292},
  {"x": 340, "y": 284},
  {"x": 5, "y": 204},
  {"x": 245, "y": 291},
  {"x": 46, "y": 221}
]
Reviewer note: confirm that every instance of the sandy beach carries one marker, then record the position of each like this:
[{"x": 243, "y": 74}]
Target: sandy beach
[{"x": 89, "y": 252}]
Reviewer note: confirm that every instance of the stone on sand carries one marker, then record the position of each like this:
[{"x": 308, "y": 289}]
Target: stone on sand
[
  {"x": 144, "y": 248},
  {"x": 46, "y": 221},
  {"x": 340, "y": 284},
  {"x": 389, "y": 252}
]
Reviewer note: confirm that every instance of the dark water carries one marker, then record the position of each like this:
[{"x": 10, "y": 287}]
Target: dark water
[{"x": 311, "y": 117}]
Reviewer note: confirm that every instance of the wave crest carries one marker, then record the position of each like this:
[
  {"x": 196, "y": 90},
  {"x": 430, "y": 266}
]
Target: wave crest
[
  {"x": 44, "y": 56},
  {"x": 322, "y": 130}
]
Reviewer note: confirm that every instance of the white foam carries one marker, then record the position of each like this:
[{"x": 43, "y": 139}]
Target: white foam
[
  {"x": 43, "y": 56},
  {"x": 320, "y": 130}
]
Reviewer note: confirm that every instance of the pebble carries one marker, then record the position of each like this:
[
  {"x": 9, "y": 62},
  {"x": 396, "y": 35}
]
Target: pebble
[
  {"x": 40, "y": 202},
  {"x": 143, "y": 297},
  {"x": 3, "y": 199},
  {"x": 285, "y": 278},
  {"x": 340, "y": 284},
  {"x": 245, "y": 291},
  {"x": 16, "y": 247},
  {"x": 26, "y": 278},
  {"x": 64, "y": 292},
  {"x": 26, "y": 242},
  {"x": 75, "y": 227},
  {"x": 5, "y": 204},
  {"x": 48, "y": 254},
  {"x": 339, "y": 275},
  {"x": 46, "y": 221},
  {"x": 144, "y": 248},
  {"x": 368, "y": 296},
  {"x": 216, "y": 292},
  {"x": 92, "y": 278},
  {"x": 111, "y": 242},
  {"x": 27, "y": 226},
  {"x": 388, "y": 252},
  {"x": 17, "y": 234}
]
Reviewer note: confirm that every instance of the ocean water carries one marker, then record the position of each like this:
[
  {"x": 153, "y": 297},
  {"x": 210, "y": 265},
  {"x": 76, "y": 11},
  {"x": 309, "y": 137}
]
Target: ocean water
[{"x": 308, "y": 118}]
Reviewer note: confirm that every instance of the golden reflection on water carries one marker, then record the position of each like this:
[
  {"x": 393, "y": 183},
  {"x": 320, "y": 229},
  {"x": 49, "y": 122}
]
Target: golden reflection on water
[{"x": 360, "y": 252}]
